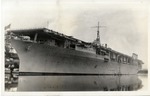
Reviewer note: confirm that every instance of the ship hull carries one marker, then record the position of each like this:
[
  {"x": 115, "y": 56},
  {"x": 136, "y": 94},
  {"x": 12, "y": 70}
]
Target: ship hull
[{"x": 35, "y": 57}]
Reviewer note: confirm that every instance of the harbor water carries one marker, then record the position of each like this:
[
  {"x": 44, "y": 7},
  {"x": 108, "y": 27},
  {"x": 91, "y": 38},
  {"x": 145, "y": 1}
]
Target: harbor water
[{"x": 79, "y": 83}]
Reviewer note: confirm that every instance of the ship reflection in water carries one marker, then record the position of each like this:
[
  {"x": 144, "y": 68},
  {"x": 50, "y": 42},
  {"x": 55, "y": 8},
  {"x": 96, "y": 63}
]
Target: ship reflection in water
[{"x": 78, "y": 83}]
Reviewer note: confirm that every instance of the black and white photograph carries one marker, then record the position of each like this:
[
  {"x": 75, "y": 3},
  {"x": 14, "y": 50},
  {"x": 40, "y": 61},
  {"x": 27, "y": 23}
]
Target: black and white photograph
[{"x": 75, "y": 46}]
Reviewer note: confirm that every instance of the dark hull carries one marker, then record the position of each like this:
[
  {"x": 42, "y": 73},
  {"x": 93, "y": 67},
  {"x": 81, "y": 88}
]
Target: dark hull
[{"x": 36, "y": 57}]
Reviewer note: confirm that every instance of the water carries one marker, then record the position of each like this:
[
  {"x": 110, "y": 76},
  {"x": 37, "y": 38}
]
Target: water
[
  {"x": 144, "y": 78},
  {"x": 81, "y": 83}
]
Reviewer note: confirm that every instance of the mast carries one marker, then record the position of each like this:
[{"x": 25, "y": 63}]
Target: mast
[
  {"x": 98, "y": 41},
  {"x": 98, "y": 36}
]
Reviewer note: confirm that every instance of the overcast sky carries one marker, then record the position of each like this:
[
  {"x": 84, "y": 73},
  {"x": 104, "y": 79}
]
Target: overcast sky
[{"x": 126, "y": 22}]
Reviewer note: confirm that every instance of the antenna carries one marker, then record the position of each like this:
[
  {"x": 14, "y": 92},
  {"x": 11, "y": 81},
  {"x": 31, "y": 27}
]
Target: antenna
[{"x": 98, "y": 33}]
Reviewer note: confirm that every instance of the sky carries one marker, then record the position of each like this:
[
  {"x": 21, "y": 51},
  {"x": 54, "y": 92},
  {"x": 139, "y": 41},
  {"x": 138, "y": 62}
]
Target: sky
[{"x": 126, "y": 22}]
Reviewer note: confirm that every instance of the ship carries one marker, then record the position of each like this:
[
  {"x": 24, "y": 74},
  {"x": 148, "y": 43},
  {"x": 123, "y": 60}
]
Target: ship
[{"x": 43, "y": 50}]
